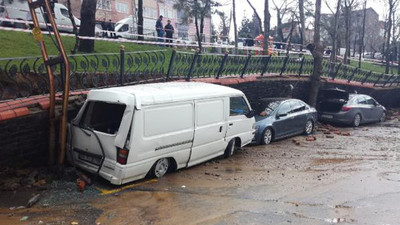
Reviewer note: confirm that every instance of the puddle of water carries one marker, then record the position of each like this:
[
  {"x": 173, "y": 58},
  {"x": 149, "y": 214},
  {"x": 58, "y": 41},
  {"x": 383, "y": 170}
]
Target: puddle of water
[
  {"x": 392, "y": 176},
  {"x": 317, "y": 162},
  {"x": 233, "y": 170}
]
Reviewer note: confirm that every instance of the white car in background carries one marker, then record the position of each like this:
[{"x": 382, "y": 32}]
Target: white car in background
[{"x": 19, "y": 10}]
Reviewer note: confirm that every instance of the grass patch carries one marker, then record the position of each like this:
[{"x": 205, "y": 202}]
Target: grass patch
[{"x": 20, "y": 44}]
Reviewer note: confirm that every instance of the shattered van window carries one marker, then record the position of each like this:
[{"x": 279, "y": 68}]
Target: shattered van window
[{"x": 102, "y": 116}]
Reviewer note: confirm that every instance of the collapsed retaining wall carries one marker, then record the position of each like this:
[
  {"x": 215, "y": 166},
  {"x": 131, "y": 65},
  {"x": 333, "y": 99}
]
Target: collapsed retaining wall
[{"x": 25, "y": 139}]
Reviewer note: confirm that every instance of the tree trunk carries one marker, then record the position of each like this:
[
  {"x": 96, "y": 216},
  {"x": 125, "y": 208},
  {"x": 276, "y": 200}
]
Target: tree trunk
[
  {"x": 234, "y": 24},
  {"x": 74, "y": 27},
  {"x": 279, "y": 26},
  {"x": 267, "y": 19},
  {"x": 388, "y": 37},
  {"x": 140, "y": 19},
  {"x": 317, "y": 52},
  {"x": 88, "y": 23},
  {"x": 334, "y": 39},
  {"x": 362, "y": 35},
  {"x": 302, "y": 23},
  {"x": 258, "y": 16},
  {"x": 347, "y": 35}
]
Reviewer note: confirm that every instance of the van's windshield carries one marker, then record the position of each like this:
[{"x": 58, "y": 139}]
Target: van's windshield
[{"x": 103, "y": 116}]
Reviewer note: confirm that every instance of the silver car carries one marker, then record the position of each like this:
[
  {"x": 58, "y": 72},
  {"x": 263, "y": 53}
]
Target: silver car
[{"x": 338, "y": 106}]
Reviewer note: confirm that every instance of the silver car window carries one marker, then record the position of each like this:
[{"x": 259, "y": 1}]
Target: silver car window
[
  {"x": 284, "y": 108},
  {"x": 297, "y": 106},
  {"x": 361, "y": 100}
]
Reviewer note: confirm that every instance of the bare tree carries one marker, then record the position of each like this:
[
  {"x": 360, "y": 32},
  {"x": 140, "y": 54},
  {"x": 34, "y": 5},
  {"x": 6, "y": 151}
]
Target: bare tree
[
  {"x": 199, "y": 9},
  {"x": 257, "y": 16},
  {"x": 361, "y": 47},
  {"x": 317, "y": 52},
  {"x": 281, "y": 11},
  {"x": 224, "y": 26},
  {"x": 392, "y": 5},
  {"x": 302, "y": 24},
  {"x": 348, "y": 7},
  {"x": 267, "y": 19}
]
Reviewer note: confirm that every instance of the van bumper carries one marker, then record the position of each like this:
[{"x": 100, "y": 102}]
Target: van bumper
[{"x": 109, "y": 170}]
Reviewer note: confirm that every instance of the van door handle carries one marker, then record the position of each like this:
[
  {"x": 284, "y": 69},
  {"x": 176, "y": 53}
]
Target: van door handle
[
  {"x": 220, "y": 129},
  {"x": 231, "y": 124}
]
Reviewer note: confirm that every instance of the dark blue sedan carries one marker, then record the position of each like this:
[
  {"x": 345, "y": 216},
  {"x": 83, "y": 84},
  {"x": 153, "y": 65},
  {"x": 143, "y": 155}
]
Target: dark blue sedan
[{"x": 284, "y": 118}]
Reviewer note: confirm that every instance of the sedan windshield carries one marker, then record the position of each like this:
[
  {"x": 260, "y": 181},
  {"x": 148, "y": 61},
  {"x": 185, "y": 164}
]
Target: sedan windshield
[{"x": 271, "y": 107}]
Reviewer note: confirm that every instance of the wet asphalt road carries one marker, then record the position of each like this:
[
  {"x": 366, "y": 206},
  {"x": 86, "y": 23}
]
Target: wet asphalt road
[{"x": 345, "y": 179}]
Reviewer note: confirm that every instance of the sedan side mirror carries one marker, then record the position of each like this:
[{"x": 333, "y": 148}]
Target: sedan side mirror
[
  {"x": 281, "y": 115},
  {"x": 250, "y": 114}
]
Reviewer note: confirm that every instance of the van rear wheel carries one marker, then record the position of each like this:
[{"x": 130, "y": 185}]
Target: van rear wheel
[
  {"x": 160, "y": 168},
  {"x": 230, "y": 149}
]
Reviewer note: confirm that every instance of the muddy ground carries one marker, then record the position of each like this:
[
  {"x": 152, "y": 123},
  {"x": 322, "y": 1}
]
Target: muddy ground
[{"x": 335, "y": 179}]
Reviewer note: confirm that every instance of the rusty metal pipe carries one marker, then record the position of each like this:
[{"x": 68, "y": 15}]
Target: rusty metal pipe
[
  {"x": 51, "y": 88},
  {"x": 63, "y": 124}
]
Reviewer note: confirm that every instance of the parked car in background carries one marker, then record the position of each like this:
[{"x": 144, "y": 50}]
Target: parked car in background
[
  {"x": 335, "y": 105},
  {"x": 283, "y": 118}
]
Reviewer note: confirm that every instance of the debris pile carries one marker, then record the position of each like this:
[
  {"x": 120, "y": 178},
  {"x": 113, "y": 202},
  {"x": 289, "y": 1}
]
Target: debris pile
[
  {"x": 393, "y": 114},
  {"x": 12, "y": 179}
]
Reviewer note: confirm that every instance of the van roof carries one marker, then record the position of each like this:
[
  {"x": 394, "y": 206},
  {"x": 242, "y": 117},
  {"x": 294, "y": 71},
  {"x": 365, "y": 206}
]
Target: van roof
[{"x": 146, "y": 94}]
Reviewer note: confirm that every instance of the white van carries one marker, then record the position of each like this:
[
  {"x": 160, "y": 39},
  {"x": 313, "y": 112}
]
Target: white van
[
  {"x": 19, "y": 9},
  {"x": 126, "y": 28},
  {"x": 125, "y": 133}
]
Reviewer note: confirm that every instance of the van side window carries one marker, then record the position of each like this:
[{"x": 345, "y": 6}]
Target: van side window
[
  {"x": 238, "y": 106},
  {"x": 102, "y": 116}
]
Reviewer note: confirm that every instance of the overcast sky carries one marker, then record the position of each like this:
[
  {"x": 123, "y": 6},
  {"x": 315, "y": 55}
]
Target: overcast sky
[{"x": 243, "y": 9}]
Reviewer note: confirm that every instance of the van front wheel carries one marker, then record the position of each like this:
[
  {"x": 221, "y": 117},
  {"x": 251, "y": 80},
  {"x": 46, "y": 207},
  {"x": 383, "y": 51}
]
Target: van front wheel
[
  {"x": 161, "y": 167},
  {"x": 230, "y": 148}
]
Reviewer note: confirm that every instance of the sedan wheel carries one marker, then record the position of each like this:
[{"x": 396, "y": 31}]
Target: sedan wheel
[
  {"x": 161, "y": 167},
  {"x": 267, "y": 136},
  {"x": 357, "y": 120},
  {"x": 309, "y": 127},
  {"x": 383, "y": 117}
]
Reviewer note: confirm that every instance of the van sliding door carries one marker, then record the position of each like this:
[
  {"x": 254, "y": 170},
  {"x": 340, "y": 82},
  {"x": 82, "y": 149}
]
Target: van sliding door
[{"x": 210, "y": 129}]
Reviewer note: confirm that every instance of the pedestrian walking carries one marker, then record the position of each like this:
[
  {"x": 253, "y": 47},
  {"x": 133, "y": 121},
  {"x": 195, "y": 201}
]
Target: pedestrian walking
[
  {"x": 169, "y": 31},
  {"x": 160, "y": 30}
]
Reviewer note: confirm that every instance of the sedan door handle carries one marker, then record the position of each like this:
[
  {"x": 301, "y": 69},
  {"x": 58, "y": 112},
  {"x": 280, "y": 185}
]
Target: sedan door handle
[{"x": 231, "y": 124}]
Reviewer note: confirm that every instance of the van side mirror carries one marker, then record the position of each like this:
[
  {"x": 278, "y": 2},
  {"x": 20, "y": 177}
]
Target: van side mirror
[{"x": 250, "y": 113}]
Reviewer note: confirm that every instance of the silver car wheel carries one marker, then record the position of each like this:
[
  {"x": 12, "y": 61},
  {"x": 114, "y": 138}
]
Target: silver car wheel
[
  {"x": 309, "y": 127},
  {"x": 161, "y": 167},
  {"x": 357, "y": 120},
  {"x": 267, "y": 136},
  {"x": 383, "y": 117}
]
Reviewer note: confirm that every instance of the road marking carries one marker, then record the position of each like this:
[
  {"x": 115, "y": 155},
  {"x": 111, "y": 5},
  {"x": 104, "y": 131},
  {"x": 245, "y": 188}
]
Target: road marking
[{"x": 113, "y": 191}]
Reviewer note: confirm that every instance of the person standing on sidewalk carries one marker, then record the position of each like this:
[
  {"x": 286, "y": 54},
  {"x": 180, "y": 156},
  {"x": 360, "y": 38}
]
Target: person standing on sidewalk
[
  {"x": 169, "y": 31},
  {"x": 160, "y": 30}
]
